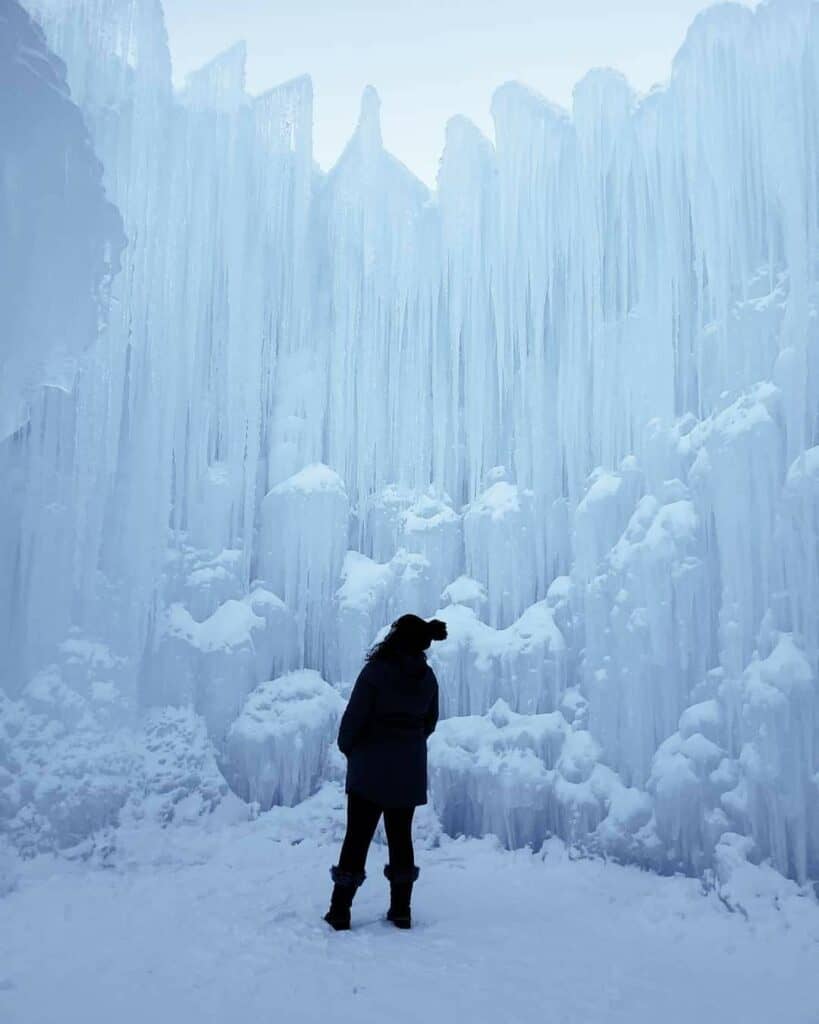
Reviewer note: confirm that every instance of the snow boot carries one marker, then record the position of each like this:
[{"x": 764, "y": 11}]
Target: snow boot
[
  {"x": 401, "y": 881},
  {"x": 346, "y": 883}
]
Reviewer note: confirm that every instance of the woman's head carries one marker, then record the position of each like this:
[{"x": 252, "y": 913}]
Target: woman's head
[{"x": 409, "y": 634}]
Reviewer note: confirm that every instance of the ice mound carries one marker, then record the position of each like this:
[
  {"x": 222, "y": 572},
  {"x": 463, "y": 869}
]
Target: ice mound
[
  {"x": 177, "y": 770},
  {"x": 689, "y": 773},
  {"x": 373, "y": 594},
  {"x": 500, "y": 540},
  {"x": 416, "y": 544},
  {"x": 202, "y": 578},
  {"x": 800, "y": 554},
  {"x": 431, "y": 527},
  {"x": 303, "y": 540},
  {"x": 467, "y": 591},
  {"x": 640, "y": 620},
  {"x": 751, "y": 886},
  {"x": 602, "y": 515},
  {"x": 771, "y": 717},
  {"x": 740, "y": 762},
  {"x": 212, "y": 581},
  {"x": 63, "y": 774},
  {"x": 380, "y": 521},
  {"x": 212, "y": 665},
  {"x": 277, "y": 749},
  {"x": 68, "y": 774},
  {"x": 524, "y": 664},
  {"x": 364, "y": 601},
  {"x": 526, "y": 777}
]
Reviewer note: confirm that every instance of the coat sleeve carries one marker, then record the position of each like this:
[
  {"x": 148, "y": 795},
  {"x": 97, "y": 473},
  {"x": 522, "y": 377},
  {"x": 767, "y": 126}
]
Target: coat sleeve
[
  {"x": 356, "y": 715},
  {"x": 431, "y": 717}
]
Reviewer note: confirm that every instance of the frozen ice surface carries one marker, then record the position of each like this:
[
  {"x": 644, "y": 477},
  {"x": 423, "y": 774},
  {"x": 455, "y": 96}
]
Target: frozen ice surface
[
  {"x": 61, "y": 236},
  {"x": 304, "y": 537},
  {"x": 525, "y": 777},
  {"x": 465, "y": 590},
  {"x": 212, "y": 665},
  {"x": 430, "y": 527},
  {"x": 277, "y": 750},
  {"x": 476, "y": 665},
  {"x": 499, "y": 538},
  {"x": 71, "y": 772},
  {"x": 569, "y": 398}
]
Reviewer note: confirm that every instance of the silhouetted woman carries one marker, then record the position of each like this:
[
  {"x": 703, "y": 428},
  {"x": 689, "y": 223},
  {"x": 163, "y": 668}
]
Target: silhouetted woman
[{"x": 383, "y": 734}]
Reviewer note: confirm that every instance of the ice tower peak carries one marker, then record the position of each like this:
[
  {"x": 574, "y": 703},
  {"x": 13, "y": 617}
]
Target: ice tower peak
[
  {"x": 220, "y": 83},
  {"x": 461, "y": 130},
  {"x": 368, "y": 130},
  {"x": 516, "y": 102},
  {"x": 466, "y": 157},
  {"x": 601, "y": 102},
  {"x": 608, "y": 86},
  {"x": 720, "y": 25}
]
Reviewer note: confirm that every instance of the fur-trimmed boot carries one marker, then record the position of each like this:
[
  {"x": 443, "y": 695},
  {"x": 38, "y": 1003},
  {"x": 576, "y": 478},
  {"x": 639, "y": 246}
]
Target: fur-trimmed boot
[
  {"x": 401, "y": 881},
  {"x": 346, "y": 883}
]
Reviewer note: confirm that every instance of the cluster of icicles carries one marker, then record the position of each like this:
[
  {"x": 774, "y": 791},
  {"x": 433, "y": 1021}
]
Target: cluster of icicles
[{"x": 568, "y": 401}]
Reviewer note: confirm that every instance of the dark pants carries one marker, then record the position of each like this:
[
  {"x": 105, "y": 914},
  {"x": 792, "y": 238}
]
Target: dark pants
[{"x": 362, "y": 821}]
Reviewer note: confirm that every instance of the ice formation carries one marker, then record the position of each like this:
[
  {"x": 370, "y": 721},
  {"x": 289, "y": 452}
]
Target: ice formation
[
  {"x": 569, "y": 400},
  {"x": 521, "y": 777},
  {"x": 61, "y": 237},
  {"x": 278, "y": 749},
  {"x": 70, "y": 770}
]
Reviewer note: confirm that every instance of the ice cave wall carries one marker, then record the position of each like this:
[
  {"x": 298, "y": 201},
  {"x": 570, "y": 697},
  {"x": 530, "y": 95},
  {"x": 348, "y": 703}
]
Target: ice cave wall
[{"x": 569, "y": 399}]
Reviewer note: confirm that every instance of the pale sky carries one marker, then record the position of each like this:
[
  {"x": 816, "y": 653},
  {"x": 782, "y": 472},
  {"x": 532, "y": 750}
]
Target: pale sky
[{"x": 428, "y": 60}]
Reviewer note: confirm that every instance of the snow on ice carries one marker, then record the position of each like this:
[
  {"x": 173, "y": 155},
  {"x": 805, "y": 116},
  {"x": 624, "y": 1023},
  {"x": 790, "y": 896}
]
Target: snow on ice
[{"x": 278, "y": 749}]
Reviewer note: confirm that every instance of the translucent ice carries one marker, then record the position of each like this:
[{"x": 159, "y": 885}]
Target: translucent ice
[
  {"x": 277, "y": 748},
  {"x": 61, "y": 238},
  {"x": 569, "y": 397}
]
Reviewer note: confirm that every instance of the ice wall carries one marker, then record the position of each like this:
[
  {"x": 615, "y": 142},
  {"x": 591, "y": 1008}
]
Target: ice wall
[
  {"x": 278, "y": 749},
  {"x": 61, "y": 237},
  {"x": 570, "y": 398}
]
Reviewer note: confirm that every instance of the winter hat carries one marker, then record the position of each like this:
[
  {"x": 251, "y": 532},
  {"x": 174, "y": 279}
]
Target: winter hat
[{"x": 415, "y": 634}]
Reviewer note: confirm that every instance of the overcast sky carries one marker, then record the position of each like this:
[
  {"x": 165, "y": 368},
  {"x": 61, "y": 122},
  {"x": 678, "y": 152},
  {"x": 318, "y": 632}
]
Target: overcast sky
[{"x": 428, "y": 59}]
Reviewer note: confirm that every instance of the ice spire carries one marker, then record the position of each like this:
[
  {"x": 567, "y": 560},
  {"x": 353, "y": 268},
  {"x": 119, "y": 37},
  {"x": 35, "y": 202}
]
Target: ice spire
[
  {"x": 220, "y": 83},
  {"x": 368, "y": 130}
]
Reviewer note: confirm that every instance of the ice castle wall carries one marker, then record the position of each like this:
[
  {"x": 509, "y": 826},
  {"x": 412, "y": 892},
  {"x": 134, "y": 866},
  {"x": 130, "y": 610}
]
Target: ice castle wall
[{"x": 569, "y": 398}]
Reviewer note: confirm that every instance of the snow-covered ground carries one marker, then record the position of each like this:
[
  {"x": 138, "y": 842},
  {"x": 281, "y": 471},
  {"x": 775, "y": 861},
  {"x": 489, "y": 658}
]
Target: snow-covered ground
[{"x": 224, "y": 924}]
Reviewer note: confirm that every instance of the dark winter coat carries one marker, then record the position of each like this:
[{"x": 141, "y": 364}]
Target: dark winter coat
[{"x": 383, "y": 733}]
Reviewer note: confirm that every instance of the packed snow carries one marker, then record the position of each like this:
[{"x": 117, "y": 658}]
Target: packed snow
[{"x": 224, "y": 922}]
